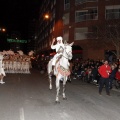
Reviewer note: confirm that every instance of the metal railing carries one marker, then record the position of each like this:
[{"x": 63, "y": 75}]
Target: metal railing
[{"x": 85, "y": 17}]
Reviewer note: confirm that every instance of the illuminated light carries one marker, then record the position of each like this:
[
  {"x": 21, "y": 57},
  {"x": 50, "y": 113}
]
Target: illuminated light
[
  {"x": 46, "y": 16},
  {"x": 3, "y": 30},
  {"x": 42, "y": 55},
  {"x": 16, "y": 41}
]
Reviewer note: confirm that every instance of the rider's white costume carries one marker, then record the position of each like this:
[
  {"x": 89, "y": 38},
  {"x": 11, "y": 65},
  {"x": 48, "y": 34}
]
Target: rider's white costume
[
  {"x": 59, "y": 49},
  {"x": 2, "y": 72}
]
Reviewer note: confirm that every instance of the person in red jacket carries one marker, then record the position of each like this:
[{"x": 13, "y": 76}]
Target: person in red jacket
[{"x": 104, "y": 71}]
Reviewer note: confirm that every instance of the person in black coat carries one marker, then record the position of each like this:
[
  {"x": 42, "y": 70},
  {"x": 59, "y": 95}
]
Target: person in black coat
[{"x": 112, "y": 75}]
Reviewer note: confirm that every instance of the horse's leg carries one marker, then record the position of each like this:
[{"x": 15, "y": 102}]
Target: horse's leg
[
  {"x": 57, "y": 88},
  {"x": 1, "y": 79},
  {"x": 64, "y": 84},
  {"x": 50, "y": 81}
]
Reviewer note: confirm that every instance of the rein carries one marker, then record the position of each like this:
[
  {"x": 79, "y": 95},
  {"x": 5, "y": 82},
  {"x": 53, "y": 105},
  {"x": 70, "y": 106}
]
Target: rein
[
  {"x": 64, "y": 57},
  {"x": 67, "y": 55}
]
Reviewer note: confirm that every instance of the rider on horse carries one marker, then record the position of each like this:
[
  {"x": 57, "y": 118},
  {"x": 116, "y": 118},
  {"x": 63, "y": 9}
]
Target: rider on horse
[{"x": 59, "y": 50}]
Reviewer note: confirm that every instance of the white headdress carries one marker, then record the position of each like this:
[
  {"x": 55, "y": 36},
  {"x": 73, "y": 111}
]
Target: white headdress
[
  {"x": 5, "y": 52},
  {"x": 20, "y": 52},
  {"x": 59, "y": 38},
  {"x": 31, "y": 53},
  {"x": 10, "y": 52}
]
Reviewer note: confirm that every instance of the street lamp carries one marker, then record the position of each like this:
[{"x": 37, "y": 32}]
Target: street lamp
[
  {"x": 2, "y": 29},
  {"x": 46, "y": 16}
]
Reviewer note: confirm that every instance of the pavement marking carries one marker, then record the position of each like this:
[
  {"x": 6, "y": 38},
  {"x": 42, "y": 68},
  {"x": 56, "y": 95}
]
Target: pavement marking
[{"x": 22, "y": 114}]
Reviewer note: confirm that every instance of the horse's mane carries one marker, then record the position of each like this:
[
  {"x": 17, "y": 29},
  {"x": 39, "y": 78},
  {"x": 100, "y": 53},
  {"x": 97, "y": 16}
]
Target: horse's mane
[{"x": 66, "y": 44}]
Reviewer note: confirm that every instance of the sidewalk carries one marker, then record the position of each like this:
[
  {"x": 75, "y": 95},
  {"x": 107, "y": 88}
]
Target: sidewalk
[
  {"x": 76, "y": 79},
  {"x": 117, "y": 90}
]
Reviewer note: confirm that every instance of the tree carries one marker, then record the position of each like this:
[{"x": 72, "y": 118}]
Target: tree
[{"x": 108, "y": 33}]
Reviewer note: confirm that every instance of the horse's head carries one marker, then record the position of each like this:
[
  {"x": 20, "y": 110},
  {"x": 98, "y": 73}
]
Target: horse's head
[{"x": 68, "y": 51}]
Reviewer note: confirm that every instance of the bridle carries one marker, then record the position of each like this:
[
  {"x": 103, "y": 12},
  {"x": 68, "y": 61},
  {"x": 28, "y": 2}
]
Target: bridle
[{"x": 67, "y": 53}]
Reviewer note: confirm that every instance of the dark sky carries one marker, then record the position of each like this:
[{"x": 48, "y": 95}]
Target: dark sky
[{"x": 15, "y": 14}]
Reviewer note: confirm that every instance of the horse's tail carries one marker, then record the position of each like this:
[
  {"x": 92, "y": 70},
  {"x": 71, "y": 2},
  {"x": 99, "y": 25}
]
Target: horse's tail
[{"x": 49, "y": 67}]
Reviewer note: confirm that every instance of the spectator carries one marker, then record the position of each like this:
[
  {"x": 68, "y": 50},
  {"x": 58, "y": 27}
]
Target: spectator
[
  {"x": 104, "y": 71},
  {"x": 112, "y": 75},
  {"x": 117, "y": 76},
  {"x": 94, "y": 72}
]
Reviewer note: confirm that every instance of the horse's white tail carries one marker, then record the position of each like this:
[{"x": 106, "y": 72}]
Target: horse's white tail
[{"x": 49, "y": 67}]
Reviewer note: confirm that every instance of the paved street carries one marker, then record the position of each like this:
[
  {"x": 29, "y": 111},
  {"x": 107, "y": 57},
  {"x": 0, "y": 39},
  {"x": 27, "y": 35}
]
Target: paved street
[{"x": 27, "y": 97}]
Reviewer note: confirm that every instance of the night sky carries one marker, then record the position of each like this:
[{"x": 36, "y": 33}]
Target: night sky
[{"x": 15, "y": 14}]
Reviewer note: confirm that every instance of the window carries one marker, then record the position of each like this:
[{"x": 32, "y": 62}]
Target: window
[
  {"x": 54, "y": 2},
  {"x": 80, "y": 33},
  {"x": 66, "y": 19},
  {"x": 66, "y": 35},
  {"x": 67, "y": 1},
  {"x": 83, "y": 1},
  {"x": 52, "y": 5},
  {"x": 66, "y": 4},
  {"x": 113, "y": 12},
  {"x": 83, "y": 15}
]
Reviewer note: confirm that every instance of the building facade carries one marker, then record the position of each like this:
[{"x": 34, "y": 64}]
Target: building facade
[{"x": 81, "y": 22}]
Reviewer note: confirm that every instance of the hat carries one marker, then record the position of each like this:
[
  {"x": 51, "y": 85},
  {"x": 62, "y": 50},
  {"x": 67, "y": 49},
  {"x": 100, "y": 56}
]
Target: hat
[{"x": 59, "y": 38}]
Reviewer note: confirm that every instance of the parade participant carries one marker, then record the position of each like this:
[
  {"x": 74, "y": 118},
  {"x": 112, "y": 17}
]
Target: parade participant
[
  {"x": 2, "y": 72},
  {"x": 59, "y": 50},
  {"x": 104, "y": 71}
]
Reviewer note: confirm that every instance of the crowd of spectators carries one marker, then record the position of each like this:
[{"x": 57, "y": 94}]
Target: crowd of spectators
[{"x": 87, "y": 70}]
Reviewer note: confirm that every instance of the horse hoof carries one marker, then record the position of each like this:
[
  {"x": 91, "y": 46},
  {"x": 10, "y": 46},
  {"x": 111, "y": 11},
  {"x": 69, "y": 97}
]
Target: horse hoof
[
  {"x": 50, "y": 88},
  {"x": 65, "y": 98},
  {"x": 57, "y": 102},
  {"x": 69, "y": 81}
]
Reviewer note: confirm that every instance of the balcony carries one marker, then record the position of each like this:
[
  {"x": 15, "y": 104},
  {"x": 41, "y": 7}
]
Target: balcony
[{"x": 77, "y": 2}]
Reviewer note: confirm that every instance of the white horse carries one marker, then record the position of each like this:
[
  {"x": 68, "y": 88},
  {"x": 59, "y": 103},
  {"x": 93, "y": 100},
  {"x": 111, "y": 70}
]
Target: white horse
[{"x": 61, "y": 70}]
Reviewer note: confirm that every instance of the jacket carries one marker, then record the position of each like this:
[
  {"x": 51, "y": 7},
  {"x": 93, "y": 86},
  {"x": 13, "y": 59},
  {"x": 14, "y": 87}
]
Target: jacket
[{"x": 104, "y": 71}]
